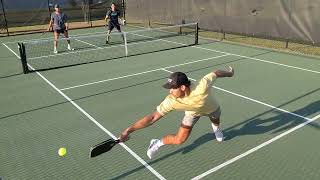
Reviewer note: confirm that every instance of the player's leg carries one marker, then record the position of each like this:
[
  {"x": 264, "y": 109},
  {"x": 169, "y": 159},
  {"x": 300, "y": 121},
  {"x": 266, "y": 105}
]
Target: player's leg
[
  {"x": 180, "y": 137},
  {"x": 215, "y": 123},
  {"x": 110, "y": 28},
  {"x": 118, "y": 27},
  {"x": 66, "y": 35},
  {"x": 56, "y": 34}
]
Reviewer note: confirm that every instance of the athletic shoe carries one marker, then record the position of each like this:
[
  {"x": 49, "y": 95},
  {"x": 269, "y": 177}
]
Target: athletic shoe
[
  {"x": 217, "y": 132},
  {"x": 69, "y": 48},
  {"x": 153, "y": 148}
]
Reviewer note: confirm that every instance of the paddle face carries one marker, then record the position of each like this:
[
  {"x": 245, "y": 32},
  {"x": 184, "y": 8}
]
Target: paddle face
[{"x": 103, "y": 147}]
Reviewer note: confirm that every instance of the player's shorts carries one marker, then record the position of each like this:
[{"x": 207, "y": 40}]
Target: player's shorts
[
  {"x": 59, "y": 30},
  {"x": 189, "y": 120},
  {"x": 112, "y": 25}
]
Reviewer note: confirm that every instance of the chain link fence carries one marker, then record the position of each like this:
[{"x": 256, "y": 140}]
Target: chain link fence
[
  {"x": 286, "y": 24},
  {"x": 20, "y": 16}
]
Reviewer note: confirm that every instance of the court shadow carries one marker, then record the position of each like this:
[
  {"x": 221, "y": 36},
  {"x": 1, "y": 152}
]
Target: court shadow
[
  {"x": 276, "y": 124},
  {"x": 10, "y": 75},
  {"x": 280, "y": 122}
]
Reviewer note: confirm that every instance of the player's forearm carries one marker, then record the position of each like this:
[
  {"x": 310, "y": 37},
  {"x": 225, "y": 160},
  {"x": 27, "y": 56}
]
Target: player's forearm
[
  {"x": 50, "y": 25},
  {"x": 142, "y": 123},
  {"x": 222, "y": 73}
]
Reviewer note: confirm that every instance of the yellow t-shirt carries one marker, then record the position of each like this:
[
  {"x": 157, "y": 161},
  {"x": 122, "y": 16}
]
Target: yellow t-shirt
[{"x": 199, "y": 102}]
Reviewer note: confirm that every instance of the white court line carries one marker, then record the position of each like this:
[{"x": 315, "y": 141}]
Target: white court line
[
  {"x": 88, "y": 43},
  {"x": 308, "y": 120},
  {"x": 261, "y": 60},
  {"x": 11, "y": 51},
  {"x": 159, "y": 176},
  {"x": 135, "y": 74},
  {"x": 247, "y": 57}
]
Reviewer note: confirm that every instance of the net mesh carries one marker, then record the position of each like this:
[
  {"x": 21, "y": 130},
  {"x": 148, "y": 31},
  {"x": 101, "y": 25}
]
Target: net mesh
[{"x": 93, "y": 48}]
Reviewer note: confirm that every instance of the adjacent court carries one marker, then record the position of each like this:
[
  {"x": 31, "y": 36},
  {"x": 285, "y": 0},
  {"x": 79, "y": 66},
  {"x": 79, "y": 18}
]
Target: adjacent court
[{"x": 270, "y": 108}]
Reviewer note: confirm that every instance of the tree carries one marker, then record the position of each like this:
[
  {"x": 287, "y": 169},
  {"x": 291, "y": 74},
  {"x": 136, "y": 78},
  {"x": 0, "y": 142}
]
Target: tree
[{"x": 84, "y": 4}]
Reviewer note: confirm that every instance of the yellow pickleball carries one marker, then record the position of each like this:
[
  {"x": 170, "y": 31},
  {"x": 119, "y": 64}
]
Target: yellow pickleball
[{"x": 62, "y": 152}]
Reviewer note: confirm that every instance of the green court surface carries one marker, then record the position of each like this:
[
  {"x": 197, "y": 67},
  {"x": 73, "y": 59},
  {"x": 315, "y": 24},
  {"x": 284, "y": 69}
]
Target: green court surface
[{"x": 270, "y": 115}]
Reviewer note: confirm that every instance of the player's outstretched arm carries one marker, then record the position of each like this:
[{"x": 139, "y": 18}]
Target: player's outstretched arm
[
  {"x": 140, "y": 124},
  {"x": 225, "y": 73}
]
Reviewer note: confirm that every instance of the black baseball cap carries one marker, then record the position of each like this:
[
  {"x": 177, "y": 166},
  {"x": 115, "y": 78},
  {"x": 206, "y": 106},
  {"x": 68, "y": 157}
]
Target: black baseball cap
[{"x": 176, "y": 80}]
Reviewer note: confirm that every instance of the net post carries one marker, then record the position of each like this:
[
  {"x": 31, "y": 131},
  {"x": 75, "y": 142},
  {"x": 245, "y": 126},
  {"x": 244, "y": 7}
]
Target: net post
[
  {"x": 197, "y": 34},
  {"x": 125, "y": 43},
  {"x": 287, "y": 43},
  {"x": 23, "y": 58}
]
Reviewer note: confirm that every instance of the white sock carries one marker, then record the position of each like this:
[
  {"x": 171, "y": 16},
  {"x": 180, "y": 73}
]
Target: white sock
[
  {"x": 69, "y": 47},
  {"x": 55, "y": 48},
  {"x": 214, "y": 127},
  {"x": 160, "y": 143}
]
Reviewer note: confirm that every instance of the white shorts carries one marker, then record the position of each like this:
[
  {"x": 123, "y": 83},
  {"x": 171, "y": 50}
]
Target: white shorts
[{"x": 189, "y": 120}]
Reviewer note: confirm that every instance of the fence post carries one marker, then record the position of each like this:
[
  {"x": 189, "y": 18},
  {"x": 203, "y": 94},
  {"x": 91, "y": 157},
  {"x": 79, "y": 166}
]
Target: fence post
[
  {"x": 90, "y": 19},
  {"x": 5, "y": 17},
  {"x": 223, "y": 34},
  {"x": 124, "y": 9},
  {"x": 197, "y": 34},
  {"x": 49, "y": 10}
]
